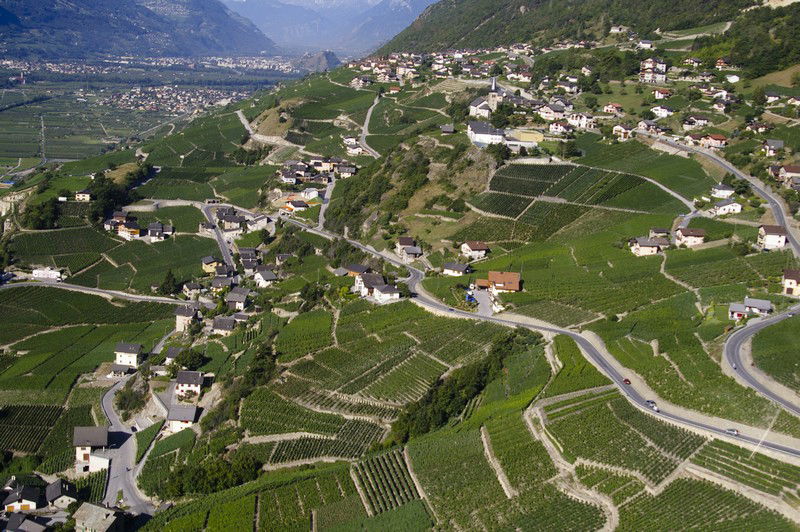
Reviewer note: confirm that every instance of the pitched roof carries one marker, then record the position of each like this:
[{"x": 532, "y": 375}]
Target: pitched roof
[
  {"x": 94, "y": 516},
  {"x": 476, "y": 245},
  {"x": 792, "y": 274},
  {"x": 26, "y": 493},
  {"x": 505, "y": 280},
  {"x": 456, "y": 267},
  {"x": 687, "y": 231},
  {"x": 60, "y": 488},
  {"x": 760, "y": 304},
  {"x": 224, "y": 323},
  {"x": 186, "y": 312},
  {"x": 773, "y": 230},
  {"x": 90, "y": 437},
  {"x": 173, "y": 352},
  {"x": 405, "y": 241},
  {"x": 124, "y": 347},
  {"x": 371, "y": 280},
  {"x": 182, "y": 413},
  {"x": 189, "y": 377},
  {"x": 357, "y": 268}
]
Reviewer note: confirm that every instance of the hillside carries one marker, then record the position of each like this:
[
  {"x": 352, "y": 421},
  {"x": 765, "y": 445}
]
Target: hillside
[
  {"x": 483, "y": 23},
  {"x": 55, "y": 29}
]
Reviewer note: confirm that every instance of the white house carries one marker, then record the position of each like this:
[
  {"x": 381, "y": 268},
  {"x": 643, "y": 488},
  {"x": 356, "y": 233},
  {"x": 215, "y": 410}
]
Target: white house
[
  {"x": 726, "y": 206},
  {"x": 188, "y": 383},
  {"x": 772, "y": 147},
  {"x": 689, "y": 237},
  {"x": 662, "y": 94},
  {"x": 180, "y": 417},
  {"x": 22, "y": 499},
  {"x": 581, "y": 120},
  {"x": 386, "y": 294},
  {"x": 474, "y": 249},
  {"x": 643, "y": 246},
  {"x": 623, "y": 132},
  {"x": 89, "y": 442},
  {"x": 127, "y": 354},
  {"x": 560, "y": 128},
  {"x": 309, "y": 194},
  {"x": 184, "y": 316},
  {"x": 662, "y": 111},
  {"x": 264, "y": 277},
  {"x": 722, "y": 191},
  {"x": 791, "y": 283},
  {"x": 771, "y": 237},
  {"x": 759, "y": 307},
  {"x": 455, "y": 269},
  {"x": 614, "y": 109},
  {"x": 482, "y": 133}
]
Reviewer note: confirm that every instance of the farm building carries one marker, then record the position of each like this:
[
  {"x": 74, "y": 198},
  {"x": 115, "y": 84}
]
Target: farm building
[
  {"x": 689, "y": 237},
  {"x": 188, "y": 382}
]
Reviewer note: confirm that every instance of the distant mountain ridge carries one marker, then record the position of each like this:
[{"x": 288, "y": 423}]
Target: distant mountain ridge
[
  {"x": 84, "y": 28},
  {"x": 486, "y": 23},
  {"x": 348, "y": 26}
]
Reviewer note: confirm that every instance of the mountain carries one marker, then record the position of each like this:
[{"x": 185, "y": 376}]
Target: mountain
[
  {"x": 319, "y": 62},
  {"x": 85, "y": 28},
  {"x": 484, "y": 23},
  {"x": 347, "y": 26}
]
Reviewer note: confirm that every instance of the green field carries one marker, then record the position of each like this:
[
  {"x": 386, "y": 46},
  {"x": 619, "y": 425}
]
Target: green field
[{"x": 774, "y": 351}]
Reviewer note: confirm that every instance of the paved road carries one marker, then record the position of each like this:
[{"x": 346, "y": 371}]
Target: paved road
[
  {"x": 95, "y": 291},
  {"x": 222, "y": 242},
  {"x": 416, "y": 276},
  {"x": 122, "y": 472},
  {"x": 362, "y": 140},
  {"x": 733, "y": 356},
  {"x": 326, "y": 200}
]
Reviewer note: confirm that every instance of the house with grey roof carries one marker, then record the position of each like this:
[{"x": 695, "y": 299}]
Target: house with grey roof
[
  {"x": 126, "y": 354},
  {"x": 181, "y": 417}
]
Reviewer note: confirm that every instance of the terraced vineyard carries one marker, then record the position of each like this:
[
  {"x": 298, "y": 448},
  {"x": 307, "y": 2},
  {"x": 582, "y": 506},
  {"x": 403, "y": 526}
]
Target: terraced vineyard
[
  {"x": 305, "y": 334},
  {"x": 619, "y": 488},
  {"x": 24, "y": 428},
  {"x": 576, "y": 373},
  {"x": 611, "y": 431},
  {"x": 751, "y": 469},
  {"x": 385, "y": 481},
  {"x": 263, "y": 412}
]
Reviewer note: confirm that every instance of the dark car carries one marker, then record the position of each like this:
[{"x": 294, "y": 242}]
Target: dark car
[{"x": 626, "y": 381}]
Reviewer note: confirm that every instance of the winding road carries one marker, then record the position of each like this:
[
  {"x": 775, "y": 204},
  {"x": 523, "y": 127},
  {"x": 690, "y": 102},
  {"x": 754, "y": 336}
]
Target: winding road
[
  {"x": 734, "y": 343},
  {"x": 95, "y": 291},
  {"x": 597, "y": 357}
]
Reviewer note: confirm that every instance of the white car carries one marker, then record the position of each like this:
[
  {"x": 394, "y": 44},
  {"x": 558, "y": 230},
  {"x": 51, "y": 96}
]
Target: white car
[
  {"x": 732, "y": 432},
  {"x": 653, "y": 406}
]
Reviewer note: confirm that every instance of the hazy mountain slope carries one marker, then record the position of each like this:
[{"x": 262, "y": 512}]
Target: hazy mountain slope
[
  {"x": 351, "y": 26},
  {"x": 473, "y": 23},
  {"x": 78, "y": 28}
]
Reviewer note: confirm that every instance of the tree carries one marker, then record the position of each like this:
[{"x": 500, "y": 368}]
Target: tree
[
  {"x": 500, "y": 152},
  {"x": 169, "y": 285},
  {"x": 759, "y": 96},
  {"x": 190, "y": 359}
]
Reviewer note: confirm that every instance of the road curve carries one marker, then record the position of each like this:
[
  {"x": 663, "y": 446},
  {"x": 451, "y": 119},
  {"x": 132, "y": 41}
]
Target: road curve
[
  {"x": 733, "y": 356},
  {"x": 96, "y": 292},
  {"x": 415, "y": 278}
]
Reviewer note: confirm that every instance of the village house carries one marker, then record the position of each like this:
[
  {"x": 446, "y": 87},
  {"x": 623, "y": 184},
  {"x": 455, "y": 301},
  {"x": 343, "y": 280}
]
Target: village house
[
  {"x": 693, "y": 122},
  {"x": 172, "y": 355},
  {"x": 771, "y": 237},
  {"x": 455, "y": 269},
  {"x": 714, "y": 141},
  {"x": 788, "y": 172},
  {"x": 188, "y": 383},
  {"x": 646, "y": 246},
  {"x": 662, "y": 94},
  {"x": 89, "y": 442},
  {"x": 60, "y": 493},
  {"x": 737, "y": 311},
  {"x": 23, "y": 499},
  {"x": 581, "y": 121},
  {"x": 264, "y": 277},
  {"x": 184, "y": 316},
  {"x": 658, "y": 232},
  {"x": 791, "y": 283},
  {"x": 662, "y": 111},
  {"x": 623, "y": 132},
  {"x": 772, "y": 147},
  {"x": 722, "y": 191},
  {"x": 483, "y": 134},
  {"x": 210, "y": 264},
  {"x": 692, "y": 62},
  {"x": 552, "y": 111},
  {"x": 129, "y": 230},
  {"x": 726, "y": 206},
  {"x": 232, "y": 222},
  {"x": 158, "y": 232},
  {"x": 723, "y": 63},
  {"x": 180, "y": 417},
  {"x": 218, "y": 284},
  {"x": 759, "y": 307},
  {"x": 474, "y": 249},
  {"x": 689, "y": 237},
  {"x": 365, "y": 283},
  {"x": 19, "y": 522},
  {"x": 223, "y": 325},
  {"x": 560, "y": 128},
  {"x": 386, "y": 294},
  {"x": 236, "y": 299},
  {"x": 83, "y": 196},
  {"x": 92, "y": 517},
  {"x": 501, "y": 282},
  {"x": 614, "y": 109},
  {"x": 126, "y": 354}
]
